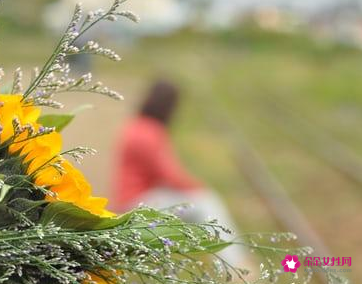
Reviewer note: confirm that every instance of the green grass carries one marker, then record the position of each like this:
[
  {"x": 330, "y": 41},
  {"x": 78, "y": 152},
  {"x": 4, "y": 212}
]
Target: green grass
[{"x": 254, "y": 81}]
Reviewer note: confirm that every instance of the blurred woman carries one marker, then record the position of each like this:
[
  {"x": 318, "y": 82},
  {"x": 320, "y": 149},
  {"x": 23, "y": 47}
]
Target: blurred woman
[
  {"x": 145, "y": 160},
  {"x": 148, "y": 171}
]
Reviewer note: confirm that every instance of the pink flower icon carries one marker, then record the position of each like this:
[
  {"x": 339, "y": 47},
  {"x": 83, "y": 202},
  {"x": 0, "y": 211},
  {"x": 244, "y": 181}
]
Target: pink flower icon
[{"x": 291, "y": 263}]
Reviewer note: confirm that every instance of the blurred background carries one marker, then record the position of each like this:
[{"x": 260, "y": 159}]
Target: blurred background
[{"x": 271, "y": 102}]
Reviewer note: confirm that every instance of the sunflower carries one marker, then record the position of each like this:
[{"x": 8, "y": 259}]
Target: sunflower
[{"x": 40, "y": 155}]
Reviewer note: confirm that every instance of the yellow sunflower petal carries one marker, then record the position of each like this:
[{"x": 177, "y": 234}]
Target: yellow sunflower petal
[
  {"x": 99, "y": 279},
  {"x": 96, "y": 206},
  {"x": 40, "y": 152},
  {"x": 95, "y": 278},
  {"x": 11, "y": 106},
  {"x": 45, "y": 146},
  {"x": 72, "y": 188}
]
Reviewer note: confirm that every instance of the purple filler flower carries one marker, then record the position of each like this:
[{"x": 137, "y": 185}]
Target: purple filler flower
[
  {"x": 39, "y": 93},
  {"x": 41, "y": 129},
  {"x": 152, "y": 225},
  {"x": 167, "y": 242}
]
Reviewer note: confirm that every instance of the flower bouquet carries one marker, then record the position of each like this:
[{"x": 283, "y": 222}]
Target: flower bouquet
[{"x": 52, "y": 230}]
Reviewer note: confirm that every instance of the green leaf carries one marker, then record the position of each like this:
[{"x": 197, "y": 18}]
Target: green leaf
[
  {"x": 25, "y": 205},
  {"x": 6, "y": 218},
  {"x": 20, "y": 208},
  {"x": 172, "y": 229},
  {"x": 174, "y": 232},
  {"x": 4, "y": 189},
  {"x": 59, "y": 121},
  {"x": 70, "y": 216}
]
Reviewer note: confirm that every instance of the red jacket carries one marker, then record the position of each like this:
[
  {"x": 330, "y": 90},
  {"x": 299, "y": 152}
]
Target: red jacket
[{"x": 145, "y": 160}]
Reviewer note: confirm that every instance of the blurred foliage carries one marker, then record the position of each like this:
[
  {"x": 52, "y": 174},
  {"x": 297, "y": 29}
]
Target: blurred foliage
[
  {"x": 22, "y": 15},
  {"x": 251, "y": 36}
]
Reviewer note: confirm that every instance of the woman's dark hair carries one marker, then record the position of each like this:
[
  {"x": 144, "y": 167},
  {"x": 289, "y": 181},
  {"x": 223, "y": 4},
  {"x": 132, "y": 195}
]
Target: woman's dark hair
[{"x": 161, "y": 101}]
